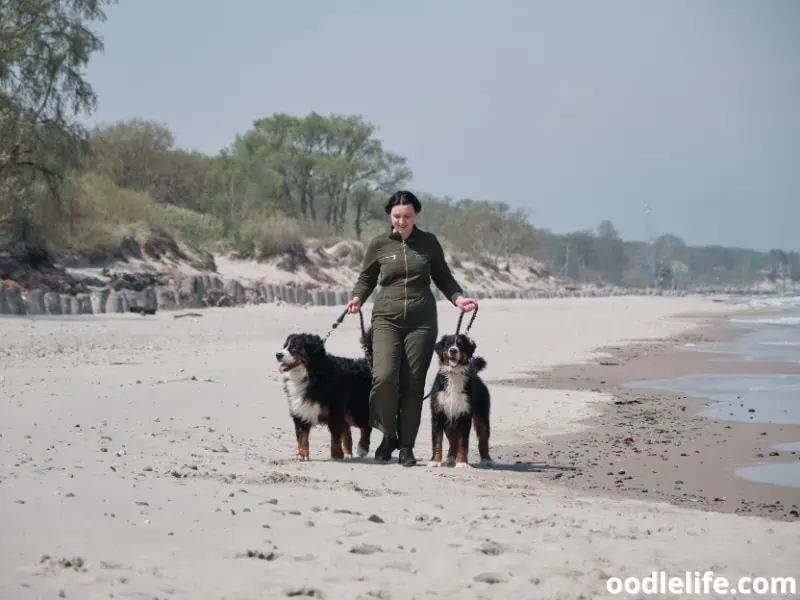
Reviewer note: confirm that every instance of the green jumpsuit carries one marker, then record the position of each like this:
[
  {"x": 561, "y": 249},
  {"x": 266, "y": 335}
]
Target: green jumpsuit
[{"x": 404, "y": 324}]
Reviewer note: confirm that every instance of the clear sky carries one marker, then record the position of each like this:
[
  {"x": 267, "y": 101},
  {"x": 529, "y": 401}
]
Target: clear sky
[{"x": 580, "y": 110}]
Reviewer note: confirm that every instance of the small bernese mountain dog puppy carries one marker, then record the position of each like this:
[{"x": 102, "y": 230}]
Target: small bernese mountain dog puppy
[
  {"x": 459, "y": 400},
  {"x": 323, "y": 389}
]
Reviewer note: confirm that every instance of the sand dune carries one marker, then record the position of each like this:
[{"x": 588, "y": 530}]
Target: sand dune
[{"x": 152, "y": 457}]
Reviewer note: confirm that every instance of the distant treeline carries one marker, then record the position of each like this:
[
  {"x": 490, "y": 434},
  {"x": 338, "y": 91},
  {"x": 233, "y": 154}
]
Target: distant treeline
[{"x": 81, "y": 192}]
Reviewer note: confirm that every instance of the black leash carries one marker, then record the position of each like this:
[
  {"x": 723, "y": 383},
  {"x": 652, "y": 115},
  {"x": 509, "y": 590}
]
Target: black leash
[
  {"x": 366, "y": 347},
  {"x": 336, "y": 323},
  {"x": 471, "y": 321},
  {"x": 458, "y": 329}
]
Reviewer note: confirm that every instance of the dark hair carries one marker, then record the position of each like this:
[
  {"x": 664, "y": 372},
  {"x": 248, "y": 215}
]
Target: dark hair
[{"x": 403, "y": 197}]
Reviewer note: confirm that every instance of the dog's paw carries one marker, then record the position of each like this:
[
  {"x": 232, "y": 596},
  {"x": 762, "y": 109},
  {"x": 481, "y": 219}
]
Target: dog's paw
[
  {"x": 434, "y": 463},
  {"x": 464, "y": 465},
  {"x": 362, "y": 452},
  {"x": 451, "y": 460},
  {"x": 301, "y": 457},
  {"x": 347, "y": 456},
  {"x": 487, "y": 462}
]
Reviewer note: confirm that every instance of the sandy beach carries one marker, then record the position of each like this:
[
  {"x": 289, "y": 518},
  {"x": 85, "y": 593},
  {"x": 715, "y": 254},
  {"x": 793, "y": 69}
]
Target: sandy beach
[
  {"x": 152, "y": 457},
  {"x": 651, "y": 444}
]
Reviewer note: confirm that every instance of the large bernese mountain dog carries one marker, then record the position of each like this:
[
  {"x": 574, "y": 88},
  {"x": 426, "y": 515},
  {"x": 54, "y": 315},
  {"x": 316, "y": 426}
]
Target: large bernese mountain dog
[
  {"x": 324, "y": 389},
  {"x": 459, "y": 400}
]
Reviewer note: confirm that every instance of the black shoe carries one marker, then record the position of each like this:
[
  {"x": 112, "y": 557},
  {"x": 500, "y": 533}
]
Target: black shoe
[
  {"x": 388, "y": 445},
  {"x": 406, "y": 457}
]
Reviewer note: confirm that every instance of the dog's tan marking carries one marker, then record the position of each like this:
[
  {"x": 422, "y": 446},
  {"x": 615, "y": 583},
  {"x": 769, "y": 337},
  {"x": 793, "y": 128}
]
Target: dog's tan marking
[
  {"x": 302, "y": 446},
  {"x": 336, "y": 449},
  {"x": 347, "y": 441},
  {"x": 436, "y": 458},
  {"x": 482, "y": 431},
  {"x": 461, "y": 452}
]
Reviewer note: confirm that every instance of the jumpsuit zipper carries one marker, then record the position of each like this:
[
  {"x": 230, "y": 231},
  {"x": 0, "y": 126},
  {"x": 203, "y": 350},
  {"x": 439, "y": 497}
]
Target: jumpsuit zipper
[{"x": 405, "y": 282}]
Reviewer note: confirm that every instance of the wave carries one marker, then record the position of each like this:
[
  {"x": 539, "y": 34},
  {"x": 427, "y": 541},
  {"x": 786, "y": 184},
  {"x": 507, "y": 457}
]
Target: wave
[
  {"x": 777, "y": 302},
  {"x": 775, "y": 320}
]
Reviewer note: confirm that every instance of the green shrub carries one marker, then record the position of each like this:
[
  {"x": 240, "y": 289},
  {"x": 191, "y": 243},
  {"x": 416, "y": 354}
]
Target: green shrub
[{"x": 199, "y": 230}]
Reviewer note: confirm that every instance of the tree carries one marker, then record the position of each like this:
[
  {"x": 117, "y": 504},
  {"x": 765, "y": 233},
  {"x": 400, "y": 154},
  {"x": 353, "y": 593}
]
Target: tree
[
  {"x": 794, "y": 266},
  {"x": 316, "y": 167},
  {"x": 514, "y": 233},
  {"x": 229, "y": 206},
  {"x": 487, "y": 230},
  {"x": 665, "y": 277},
  {"x": 132, "y": 153},
  {"x": 187, "y": 179},
  {"x": 609, "y": 254},
  {"x": 579, "y": 253},
  {"x": 607, "y": 230},
  {"x": 140, "y": 155},
  {"x": 44, "y": 47}
]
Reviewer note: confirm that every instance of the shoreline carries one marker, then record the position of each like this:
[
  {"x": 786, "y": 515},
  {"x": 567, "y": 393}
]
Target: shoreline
[{"x": 674, "y": 455}]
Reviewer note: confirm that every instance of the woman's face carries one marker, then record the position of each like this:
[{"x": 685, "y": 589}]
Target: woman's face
[{"x": 403, "y": 218}]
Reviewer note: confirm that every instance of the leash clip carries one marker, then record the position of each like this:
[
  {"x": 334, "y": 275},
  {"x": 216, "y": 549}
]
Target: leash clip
[{"x": 336, "y": 324}]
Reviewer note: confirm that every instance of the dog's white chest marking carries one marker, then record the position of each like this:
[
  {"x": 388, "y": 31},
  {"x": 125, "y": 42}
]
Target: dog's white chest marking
[
  {"x": 454, "y": 400},
  {"x": 296, "y": 385}
]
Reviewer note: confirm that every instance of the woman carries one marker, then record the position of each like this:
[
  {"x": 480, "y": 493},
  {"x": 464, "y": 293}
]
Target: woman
[{"x": 404, "y": 321}]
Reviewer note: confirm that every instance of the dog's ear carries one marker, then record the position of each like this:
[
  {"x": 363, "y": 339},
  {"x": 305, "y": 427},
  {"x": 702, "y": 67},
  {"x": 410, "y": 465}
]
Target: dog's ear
[
  {"x": 471, "y": 345},
  {"x": 316, "y": 347},
  {"x": 438, "y": 347}
]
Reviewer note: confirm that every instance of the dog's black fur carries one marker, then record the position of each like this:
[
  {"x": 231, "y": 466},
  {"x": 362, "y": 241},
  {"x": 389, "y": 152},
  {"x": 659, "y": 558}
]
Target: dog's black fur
[
  {"x": 459, "y": 400},
  {"x": 329, "y": 390},
  {"x": 142, "y": 310}
]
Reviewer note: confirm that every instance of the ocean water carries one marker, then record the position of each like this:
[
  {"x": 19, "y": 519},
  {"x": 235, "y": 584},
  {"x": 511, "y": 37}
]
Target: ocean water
[
  {"x": 785, "y": 474},
  {"x": 768, "y": 337},
  {"x": 760, "y": 398},
  {"x": 756, "y": 397}
]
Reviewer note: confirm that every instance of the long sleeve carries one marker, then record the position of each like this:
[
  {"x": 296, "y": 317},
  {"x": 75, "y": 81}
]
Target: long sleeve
[
  {"x": 441, "y": 274},
  {"x": 368, "y": 278}
]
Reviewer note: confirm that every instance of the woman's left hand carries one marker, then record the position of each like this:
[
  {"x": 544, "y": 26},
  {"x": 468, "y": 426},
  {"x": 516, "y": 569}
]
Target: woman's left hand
[{"x": 467, "y": 304}]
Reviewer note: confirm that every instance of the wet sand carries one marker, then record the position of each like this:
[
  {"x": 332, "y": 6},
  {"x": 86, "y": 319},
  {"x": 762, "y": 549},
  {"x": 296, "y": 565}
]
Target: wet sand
[{"x": 649, "y": 444}]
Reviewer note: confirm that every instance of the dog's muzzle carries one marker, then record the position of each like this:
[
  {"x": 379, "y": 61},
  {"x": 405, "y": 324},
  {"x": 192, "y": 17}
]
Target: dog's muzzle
[
  {"x": 453, "y": 355},
  {"x": 286, "y": 360}
]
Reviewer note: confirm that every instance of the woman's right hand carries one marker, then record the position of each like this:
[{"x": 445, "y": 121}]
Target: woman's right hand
[{"x": 354, "y": 306}]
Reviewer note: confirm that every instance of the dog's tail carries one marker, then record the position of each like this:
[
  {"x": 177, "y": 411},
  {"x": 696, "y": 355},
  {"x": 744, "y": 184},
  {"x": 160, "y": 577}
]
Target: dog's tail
[
  {"x": 366, "y": 341},
  {"x": 478, "y": 363}
]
